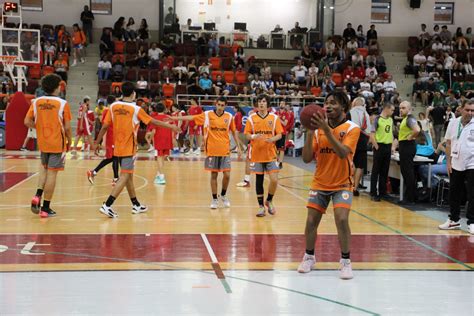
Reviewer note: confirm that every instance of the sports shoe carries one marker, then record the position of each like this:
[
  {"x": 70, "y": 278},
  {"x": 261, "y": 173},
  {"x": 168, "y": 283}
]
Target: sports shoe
[
  {"x": 271, "y": 208},
  {"x": 345, "y": 272},
  {"x": 151, "y": 149},
  {"x": 46, "y": 212},
  {"x": 449, "y": 225},
  {"x": 74, "y": 63},
  {"x": 90, "y": 176},
  {"x": 114, "y": 181},
  {"x": 470, "y": 228},
  {"x": 23, "y": 149},
  {"x": 243, "y": 184},
  {"x": 35, "y": 204},
  {"x": 261, "y": 211},
  {"x": 159, "y": 180},
  {"x": 189, "y": 152},
  {"x": 197, "y": 152},
  {"x": 108, "y": 211},
  {"x": 214, "y": 204},
  {"x": 83, "y": 60},
  {"x": 137, "y": 209},
  {"x": 307, "y": 264},
  {"x": 225, "y": 201}
]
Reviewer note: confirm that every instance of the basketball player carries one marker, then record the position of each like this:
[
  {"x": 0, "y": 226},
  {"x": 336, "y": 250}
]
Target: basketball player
[
  {"x": 245, "y": 183},
  {"x": 51, "y": 116},
  {"x": 263, "y": 129},
  {"x": 109, "y": 149},
  {"x": 162, "y": 141},
  {"x": 217, "y": 126},
  {"x": 194, "y": 130},
  {"x": 84, "y": 127},
  {"x": 125, "y": 116},
  {"x": 333, "y": 144}
]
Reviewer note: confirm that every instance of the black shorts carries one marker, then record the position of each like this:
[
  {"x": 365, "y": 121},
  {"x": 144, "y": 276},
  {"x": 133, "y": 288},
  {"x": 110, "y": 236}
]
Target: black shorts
[
  {"x": 280, "y": 144},
  {"x": 360, "y": 155}
]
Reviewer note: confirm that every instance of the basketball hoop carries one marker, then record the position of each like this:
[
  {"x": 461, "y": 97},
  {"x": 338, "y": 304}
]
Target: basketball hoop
[{"x": 8, "y": 62}]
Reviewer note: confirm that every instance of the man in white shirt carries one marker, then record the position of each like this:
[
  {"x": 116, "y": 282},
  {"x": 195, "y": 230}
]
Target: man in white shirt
[
  {"x": 418, "y": 60},
  {"x": 300, "y": 71},
  {"x": 437, "y": 45},
  {"x": 389, "y": 87},
  {"x": 460, "y": 164},
  {"x": 154, "y": 53},
  {"x": 180, "y": 72},
  {"x": 352, "y": 45}
]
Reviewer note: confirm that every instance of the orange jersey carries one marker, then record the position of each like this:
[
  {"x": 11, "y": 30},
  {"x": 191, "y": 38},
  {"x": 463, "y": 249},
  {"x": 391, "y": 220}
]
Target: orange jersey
[
  {"x": 50, "y": 115},
  {"x": 78, "y": 38},
  {"x": 126, "y": 119},
  {"x": 333, "y": 173},
  {"x": 216, "y": 132},
  {"x": 268, "y": 126}
]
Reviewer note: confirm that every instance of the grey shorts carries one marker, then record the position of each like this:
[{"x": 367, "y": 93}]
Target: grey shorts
[
  {"x": 217, "y": 164},
  {"x": 53, "y": 161},
  {"x": 264, "y": 167},
  {"x": 319, "y": 200},
  {"x": 127, "y": 164}
]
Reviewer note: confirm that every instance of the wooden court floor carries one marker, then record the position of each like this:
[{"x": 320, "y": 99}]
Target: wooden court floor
[{"x": 180, "y": 231}]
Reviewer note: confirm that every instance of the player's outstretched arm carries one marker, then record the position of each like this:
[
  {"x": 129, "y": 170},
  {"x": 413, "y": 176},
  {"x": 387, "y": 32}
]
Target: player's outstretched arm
[
  {"x": 165, "y": 125},
  {"x": 29, "y": 122},
  {"x": 102, "y": 132},
  {"x": 183, "y": 118}
]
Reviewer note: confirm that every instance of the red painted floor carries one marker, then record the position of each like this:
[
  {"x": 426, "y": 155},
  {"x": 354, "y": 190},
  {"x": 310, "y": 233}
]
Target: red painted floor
[
  {"x": 228, "y": 248},
  {"x": 9, "y": 179}
]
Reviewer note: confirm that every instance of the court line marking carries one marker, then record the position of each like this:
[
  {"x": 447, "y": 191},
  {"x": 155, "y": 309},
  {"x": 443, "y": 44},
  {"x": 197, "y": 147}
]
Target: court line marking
[
  {"x": 417, "y": 242},
  {"x": 19, "y": 183},
  {"x": 195, "y": 270},
  {"x": 8, "y": 169},
  {"x": 215, "y": 264}
]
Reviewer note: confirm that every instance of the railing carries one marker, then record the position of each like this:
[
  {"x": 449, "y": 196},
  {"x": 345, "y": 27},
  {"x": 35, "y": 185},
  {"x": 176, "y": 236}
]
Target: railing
[{"x": 248, "y": 100}]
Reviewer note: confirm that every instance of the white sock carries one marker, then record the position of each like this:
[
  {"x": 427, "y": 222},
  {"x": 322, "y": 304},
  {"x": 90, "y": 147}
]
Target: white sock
[{"x": 247, "y": 178}]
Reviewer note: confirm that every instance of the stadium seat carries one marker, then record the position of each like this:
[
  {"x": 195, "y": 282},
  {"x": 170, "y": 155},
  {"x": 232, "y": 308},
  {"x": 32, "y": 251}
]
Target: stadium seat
[
  {"x": 131, "y": 47},
  {"x": 337, "y": 78},
  {"x": 34, "y": 72},
  {"x": 241, "y": 77},
  {"x": 190, "y": 50},
  {"x": 316, "y": 91},
  {"x": 104, "y": 88},
  {"x": 181, "y": 89},
  {"x": 363, "y": 51},
  {"x": 215, "y": 62},
  {"x": 155, "y": 75},
  {"x": 120, "y": 57},
  {"x": 130, "y": 60},
  {"x": 32, "y": 86},
  {"x": 46, "y": 70},
  {"x": 229, "y": 76},
  {"x": 227, "y": 63},
  {"x": 131, "y": 74},
  {"x": 145, "y": 73},
  {"x": 413, "y": 42},
  {"x": 119, "y": 47},
  {"x": 180, "y": 50},
  {"x": 114, "y": 85},
  {"x": 225, "y": 51}
]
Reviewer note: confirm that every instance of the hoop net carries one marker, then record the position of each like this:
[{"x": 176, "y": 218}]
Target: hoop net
[{"x": 8, "y": 63}]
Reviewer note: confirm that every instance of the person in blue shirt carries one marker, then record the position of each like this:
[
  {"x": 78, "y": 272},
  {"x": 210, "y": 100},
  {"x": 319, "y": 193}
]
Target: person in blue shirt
[
  {"x": 438, "y": 168},
  {"x": 205, "y": 84}
]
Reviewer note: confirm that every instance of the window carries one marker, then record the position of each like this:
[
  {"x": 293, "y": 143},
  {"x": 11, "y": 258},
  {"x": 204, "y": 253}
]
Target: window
[
  {"x": 101, "y": 6},
  {"x": 32, "y": 5},
  {"x": 444, "y": 12},
  {"x": 381, "y": 11}
]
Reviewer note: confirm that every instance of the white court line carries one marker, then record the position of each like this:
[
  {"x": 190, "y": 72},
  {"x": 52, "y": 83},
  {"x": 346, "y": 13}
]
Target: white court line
[
  {"x": 21, "y": 182},
  {"x": 209, "y": 249},
  {"x": 13, "y": 219},
  {"x": 8, "y": 169}
]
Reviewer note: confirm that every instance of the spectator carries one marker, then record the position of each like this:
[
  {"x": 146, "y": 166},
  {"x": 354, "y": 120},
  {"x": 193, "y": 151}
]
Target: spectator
[
  {"x": 380, "y": 62},
  {"x": 142, "y": 57},
  {"x": 268, "y": 83},
  {"x": 436, "y": 31},
  {"x": 239, "y": 57},
  {"x": 460, "y": 165},
  {"x": 205, "y": 83},
  {"x": 87, "y": 17},
  {"x": 192, "y": 68},
  {"x": 424, "y": 144},
  {"x": 130, "y": 29},
  {"x": 170, "y": 17},
  {"x": 64, "y": 39},
  {"x": 448, "y": 116},
  {"x": 312, "y": 76},
  {"x": 104, "y": 68},
  {"x": 409, "y": 129},
  {"x": 205, "y": 68},
  {"x": 213, "y": 46},
  {"x": 460, "y": 40},
  {"x": 445, "y": 35},
  {"x": 357, "y": 59},
  {"x": 360, "y": 36},
  {"x": 300, "y": 71},
  {"x": 418, "y": 60},
  {"x": 437, "y": 46},
  {"x": 118, "y": 68},
  {"x": 371, "y": 35},
  {"x": 306, "y": 55},
  {"x": 49, "y": 53},
  {"x": 143, "y": 30},
  {"x": 468, "y": 37},
  {"x": 349, "y": 33},
  {"x": 352, "y": 46},
  {"x": 437, "y": 169},
  {"x": 389, "y": 87},
  {"x": 424, "y": 37},
  {"x": 180, "y": 72},
  {"x": 219, "y": 85},
  {"x": 281, "y": 86},
  {"x": 106, "y": 42},
  {"x": 265, "y": 70},
  {"x": 119, "y": 29},
  {"x": 78, "y": 40},
  {"x": 431, "y": 62},
  {"x": 142, "y": 87},
  {"x": 383, "y": 144},
  {"x": 423, "y": 119},
  {"x": 419, "y": 91},
  {"x": 61, "y": 67},
  {"x": 436, "y": 115},
  {"x": 330, "y": 46},
  {"x": 117, "y": 93},
  {"x": 365, "y": 89},
  {"x": 154, "y": 53},
  {"x": 327, "y": 86}
]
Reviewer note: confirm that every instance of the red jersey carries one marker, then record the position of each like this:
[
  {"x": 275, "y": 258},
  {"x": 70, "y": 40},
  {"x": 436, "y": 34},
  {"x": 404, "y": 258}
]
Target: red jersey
[
  {"x": 89, "y": 121},
  {"x": 194, "y": 110},
  {"x": 291, "y": 121},
  {"x": 284, "y": 116},
  {"x": 184, "y": 124},
  {"x": 163, "y": 136},
  {"x": 81, "y": 115},
  {"x": 238, "y": 122},
  {"x": 109, "y": 136}
]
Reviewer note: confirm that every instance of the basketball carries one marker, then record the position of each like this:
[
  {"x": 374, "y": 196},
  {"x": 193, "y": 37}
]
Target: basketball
[{"x": 307, "y": 114}]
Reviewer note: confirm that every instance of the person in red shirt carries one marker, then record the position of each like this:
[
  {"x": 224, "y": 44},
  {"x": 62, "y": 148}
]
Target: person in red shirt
[
  {"x": 162, "y": 141},
  {"x": 109, "y": 149},
  {"x": 239, "y": 127},
  {"x": 284, "y": 116},
  {"x": 333, "y": 145},
  {"x": 84, "y": 126},
  {"x": 194, "y": 130},
  {"x": 178, "y": 138}
]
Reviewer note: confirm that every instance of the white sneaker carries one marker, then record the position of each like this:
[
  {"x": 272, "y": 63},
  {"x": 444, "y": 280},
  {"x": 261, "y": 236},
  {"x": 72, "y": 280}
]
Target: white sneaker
[
  {"x": 225, "y": 201},
  {"x": 345, "y": 272},
  {"x": 137, "y": 209},
  {"x": 307, "y": 264},
  {"x": 470, "y": 228},
  {"x": 83, "y": 60},
  {"x": 214, "y": 204},
  {"x": 449, "y": 225},
  {"x": 74, "y": 64},
  {"x": 151, "y": 149},
  {"x": 243, "y": 184},
  {"x": 261, "y": 211},
  {"x": 108, "y": 211},
  {"x": 197, "y": 151}
]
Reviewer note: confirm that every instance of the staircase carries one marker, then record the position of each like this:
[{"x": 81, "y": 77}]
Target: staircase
[{"x": 82, "y": 80}]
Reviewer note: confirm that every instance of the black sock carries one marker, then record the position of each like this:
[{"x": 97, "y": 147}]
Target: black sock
[
  {"x": 46, "y": 204},
  {"x": 346, "y": 255},
  {"x": 223, "y": 192},
  {"x": 135, "y": 201},
  {"x": 110, "y": 201},
  {"x": 310, "y": 252},
  {"x": 269, "y": 197},
  {"x": 260, "y": 200},
  {"x": 214, "y": 196},
  {"x": 39, "y": 192}
]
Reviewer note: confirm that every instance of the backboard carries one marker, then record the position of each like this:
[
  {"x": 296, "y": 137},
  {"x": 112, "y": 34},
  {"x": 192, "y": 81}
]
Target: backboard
[{"x": 24, "y": 43}]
